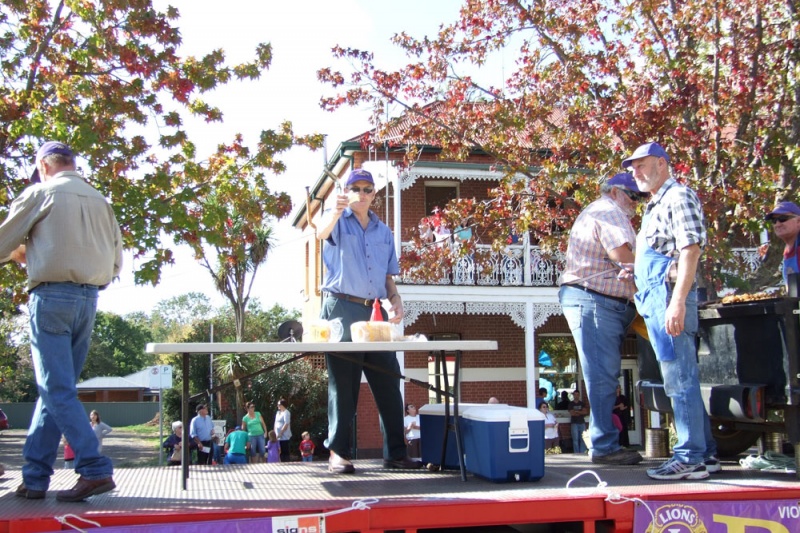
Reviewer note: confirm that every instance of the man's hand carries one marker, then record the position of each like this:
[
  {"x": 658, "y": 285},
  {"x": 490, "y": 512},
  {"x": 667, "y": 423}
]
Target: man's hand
[{"x": 18, "y": 255}]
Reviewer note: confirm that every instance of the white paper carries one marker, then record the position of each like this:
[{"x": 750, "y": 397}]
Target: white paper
[{"x": 206, "y": 449}]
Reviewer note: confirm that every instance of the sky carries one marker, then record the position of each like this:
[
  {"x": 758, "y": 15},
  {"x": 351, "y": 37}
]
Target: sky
[{"x": 302, "y": 35}]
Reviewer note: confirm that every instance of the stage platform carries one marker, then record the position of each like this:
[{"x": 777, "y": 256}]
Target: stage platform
[{"x": 393, "y": 500}]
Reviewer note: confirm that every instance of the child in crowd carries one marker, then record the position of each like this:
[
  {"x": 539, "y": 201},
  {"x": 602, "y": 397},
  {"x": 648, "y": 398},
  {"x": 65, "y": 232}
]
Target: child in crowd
[
  {"x": 307, "y": 448},
  {"x": 273, "y": 448},
  {"x": 550, "y": 428},
  {"x": 69, "y": 455}
]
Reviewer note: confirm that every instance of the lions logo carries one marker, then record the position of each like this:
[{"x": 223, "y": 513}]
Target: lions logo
[{"x": 676, "y": 518}]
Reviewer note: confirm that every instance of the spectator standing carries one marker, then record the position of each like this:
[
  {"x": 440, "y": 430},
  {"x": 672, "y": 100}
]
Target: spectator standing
[
  {"x": 786, "y": 220},
  {"x": 101, "y": 429},
  {"x": 622, "y": 408},
  {"x": 598, "y": 305},
  {"x": 66, "y": 233},
  {"x": 550, "y": 427},
  {"x": 201, "y": 431},
  {"x": 236, "y": 447},
  {"x": 69, "y": 455},
  {"x": 541, "y": 397},
  {"x": 563, "y": 403},
  {"x": 412, "y": 427},
  {"x": 668, "y": 249},
  {"x": 493, "y": 400},
  {"x": 577, "y": 411},
  {"x": 273, "y": 448},
  {"x": 283, "y": 428},
  {"x": 307, "y": 447},
  {"x": 257, "y": 431},
  {"x": 360, "y": 262}
]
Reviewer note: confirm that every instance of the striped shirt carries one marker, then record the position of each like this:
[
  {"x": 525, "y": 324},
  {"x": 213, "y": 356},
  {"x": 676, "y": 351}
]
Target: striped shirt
[
  {"x": 676, "y": 219},
  {"x": 601, "y": 227}
]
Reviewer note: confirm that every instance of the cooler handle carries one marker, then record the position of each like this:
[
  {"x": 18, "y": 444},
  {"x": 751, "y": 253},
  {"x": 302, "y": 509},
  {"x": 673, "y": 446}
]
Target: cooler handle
[{"x": 514, "y": 437}]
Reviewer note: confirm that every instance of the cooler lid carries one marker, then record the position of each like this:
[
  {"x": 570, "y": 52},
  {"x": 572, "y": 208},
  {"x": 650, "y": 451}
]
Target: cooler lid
[
  {"x": 438, "y": 408},
  {"x": 501, "y": 413}
]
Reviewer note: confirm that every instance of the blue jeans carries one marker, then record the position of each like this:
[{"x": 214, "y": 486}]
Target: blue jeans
[
  {"x": 235, "y": 459},
  {"x": 308, "y": 458},
  {"x": 682, "y": 386},
  {"x": 258, "y": 445},
  {"x": 598, "y": 325},
  {"x": 578, "y": 446},
  {"x": 62, "y": 318}
]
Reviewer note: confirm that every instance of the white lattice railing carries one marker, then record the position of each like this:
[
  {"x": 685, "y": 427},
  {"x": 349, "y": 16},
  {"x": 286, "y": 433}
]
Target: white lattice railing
[{"x": 513, "y": 267}]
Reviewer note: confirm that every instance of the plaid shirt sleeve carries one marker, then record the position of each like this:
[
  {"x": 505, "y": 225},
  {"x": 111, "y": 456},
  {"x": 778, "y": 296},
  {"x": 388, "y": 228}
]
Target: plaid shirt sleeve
[{"x": 676, "y": 221}]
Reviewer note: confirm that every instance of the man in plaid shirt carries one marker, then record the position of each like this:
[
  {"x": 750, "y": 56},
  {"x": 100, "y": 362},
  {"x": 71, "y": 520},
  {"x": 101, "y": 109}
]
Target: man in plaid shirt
[
  {"x": 668, "y": 249},
  {"x": 599, "y": 306}
]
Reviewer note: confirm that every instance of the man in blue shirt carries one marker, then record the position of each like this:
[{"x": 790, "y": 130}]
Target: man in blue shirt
[
  {"x": 201, "y": 431},
  {"x": 360, "y": 263},
  {"x": 786, "y": 218}
]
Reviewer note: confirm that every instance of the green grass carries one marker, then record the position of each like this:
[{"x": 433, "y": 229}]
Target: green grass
[{"x": 141, "y": 429}]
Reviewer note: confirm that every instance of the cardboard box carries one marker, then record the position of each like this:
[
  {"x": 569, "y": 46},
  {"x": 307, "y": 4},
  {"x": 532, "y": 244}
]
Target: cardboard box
[
  {"x": 504, "y": 444},
  {"x": 431, "y": 432}
]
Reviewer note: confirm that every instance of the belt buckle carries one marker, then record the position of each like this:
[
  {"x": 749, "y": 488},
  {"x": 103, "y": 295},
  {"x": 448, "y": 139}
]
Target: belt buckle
[{"x": 367, "y": 303}]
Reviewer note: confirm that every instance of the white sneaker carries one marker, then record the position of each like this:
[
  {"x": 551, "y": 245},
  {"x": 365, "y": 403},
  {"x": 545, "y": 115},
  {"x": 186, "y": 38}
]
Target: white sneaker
[
  {"x": 712, "y": 464},
  {"x": 675, "y": 469}
]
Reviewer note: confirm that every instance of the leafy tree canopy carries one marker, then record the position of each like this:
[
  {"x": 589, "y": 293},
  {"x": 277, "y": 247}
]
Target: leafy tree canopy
[
  {"x": 714, "y": 82},
  {"x": 108, "y": 78}
]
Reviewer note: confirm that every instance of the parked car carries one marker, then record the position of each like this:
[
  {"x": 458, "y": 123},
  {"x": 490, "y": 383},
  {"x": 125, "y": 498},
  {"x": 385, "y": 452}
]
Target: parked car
[{"x": 3, "y": 421}]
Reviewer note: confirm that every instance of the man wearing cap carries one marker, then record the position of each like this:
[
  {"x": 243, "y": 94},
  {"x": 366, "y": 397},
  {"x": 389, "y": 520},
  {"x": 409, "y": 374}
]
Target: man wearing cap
[
  {"x": 360, "y": 263},
  {"x": 201, "y": 431},
  {"x": 786, "y": 218},
  {"x": 599, "y": 306},
  {"x": 66, "y": 233},
  {"x": 668, "y": 249}
]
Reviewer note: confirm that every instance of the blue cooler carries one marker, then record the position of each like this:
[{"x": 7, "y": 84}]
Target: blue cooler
[
  {"x": 504, "y": 444},
  {"x": 431, "y": 432}
]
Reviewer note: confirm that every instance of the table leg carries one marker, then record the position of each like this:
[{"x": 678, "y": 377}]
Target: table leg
[
  {"x": 185, "y": 417},
  {"x": 441, "y": 362},
  {"x": 456, "y": 425}
]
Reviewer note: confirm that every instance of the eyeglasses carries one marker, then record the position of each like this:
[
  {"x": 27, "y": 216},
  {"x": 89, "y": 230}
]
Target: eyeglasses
[
  {"x": 782, "y": 218},
  {"x": 634, "y": 196},
  {"x": 411, "y": 407},
  {"x": 367, "y": 190}
]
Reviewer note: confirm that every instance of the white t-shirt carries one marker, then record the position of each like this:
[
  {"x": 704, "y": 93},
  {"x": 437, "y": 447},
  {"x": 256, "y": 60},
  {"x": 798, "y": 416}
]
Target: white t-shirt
[
  {"x": 550, "y": 432},
  {"x": 407, "y": 421}
]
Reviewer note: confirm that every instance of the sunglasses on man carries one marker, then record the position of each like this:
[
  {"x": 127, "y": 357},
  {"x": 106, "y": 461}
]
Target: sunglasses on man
[
  {"x": 782, "y": 218},
  {"x": 634, "y": 196},
  {"x": 367, "y": 190}
]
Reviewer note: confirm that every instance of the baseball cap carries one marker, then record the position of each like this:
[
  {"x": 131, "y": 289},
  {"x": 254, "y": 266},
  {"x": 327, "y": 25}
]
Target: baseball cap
[
  {"x": 237, "y": 428},
  {"x": 359, "y": 174},
  {"x": 49, "y": 148},
  {"x": 784, "y": 208},
  {"x": 645, "y": 150},
  {"x": 624, "y": 180}
]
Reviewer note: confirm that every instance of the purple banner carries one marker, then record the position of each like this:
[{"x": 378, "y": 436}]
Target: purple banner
[
  {"x": 275, "y": 524},
  {"x": 762, "y": 516}
]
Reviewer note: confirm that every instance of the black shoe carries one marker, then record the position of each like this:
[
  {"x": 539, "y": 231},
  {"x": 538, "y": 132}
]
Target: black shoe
[
  {"x": 623, "y": 456},
  {"x": 24, "y": 492},
  {"x": 405, "y": 463},
  {"x": 85, "y": 488}
]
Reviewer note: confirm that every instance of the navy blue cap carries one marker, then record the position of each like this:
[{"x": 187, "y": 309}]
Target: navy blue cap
[
  {"x": 49, "y": 148},
  {"x": 645, "y": 150},
  {"x": 359, "y": 174},
  {"x": 624, "y": 180},
  {"x": 784, "y": 208}
]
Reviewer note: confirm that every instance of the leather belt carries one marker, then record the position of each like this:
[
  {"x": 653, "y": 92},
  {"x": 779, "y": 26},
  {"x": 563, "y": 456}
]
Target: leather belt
[
  {"x": 617, "y": 298},
  {"x": 367, "y": 302}
]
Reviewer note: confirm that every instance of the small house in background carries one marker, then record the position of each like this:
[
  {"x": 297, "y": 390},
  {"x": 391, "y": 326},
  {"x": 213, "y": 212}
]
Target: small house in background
[{"x": 137, "y": 387}]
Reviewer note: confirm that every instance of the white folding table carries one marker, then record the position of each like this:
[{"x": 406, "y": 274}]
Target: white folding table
[{"x": 437, "y": 348}]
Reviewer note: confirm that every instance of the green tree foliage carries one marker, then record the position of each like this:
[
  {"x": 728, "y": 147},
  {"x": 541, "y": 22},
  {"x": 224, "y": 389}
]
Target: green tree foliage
[
  {"x": 109, "y": 79},
  {"x": 17, "y": 379},
  {"x": 584, "y": 83},
  {"x": 117, "y": 347}
]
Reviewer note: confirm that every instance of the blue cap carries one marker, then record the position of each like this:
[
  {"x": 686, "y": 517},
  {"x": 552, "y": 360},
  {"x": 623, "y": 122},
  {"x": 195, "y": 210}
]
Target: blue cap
[
  {"x": 359, "y": 174},
  {"x": 49, "y": 148},
  {"x": 237, "y": 428},
  {"x": 784, "y": 208},
  {"x": 624, "y": 180},
  {"x": 645, "y": 150}
]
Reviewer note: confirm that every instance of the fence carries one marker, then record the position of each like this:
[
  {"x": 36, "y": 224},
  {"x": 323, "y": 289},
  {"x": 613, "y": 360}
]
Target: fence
[{"x": 115, "y": 414}]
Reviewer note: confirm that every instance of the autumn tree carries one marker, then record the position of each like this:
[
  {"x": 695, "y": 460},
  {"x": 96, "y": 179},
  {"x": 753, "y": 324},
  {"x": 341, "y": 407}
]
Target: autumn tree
[
  {"x": 714, "y": 82},
  {"x": 109, "y": 79}
]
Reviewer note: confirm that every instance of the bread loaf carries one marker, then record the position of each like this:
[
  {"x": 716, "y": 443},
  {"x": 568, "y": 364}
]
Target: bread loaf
[
  {"x": 371, "y": 331},
  {"x": 319, "y": 333}
]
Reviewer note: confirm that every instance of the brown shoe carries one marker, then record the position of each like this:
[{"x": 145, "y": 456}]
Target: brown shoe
[
  {"x": 85, "y": 488},
  {"x": 24, "y": 492}
]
